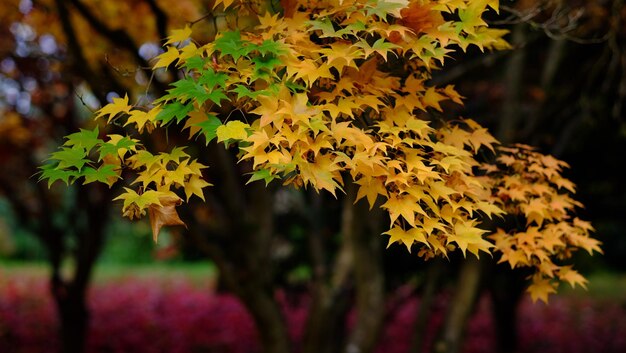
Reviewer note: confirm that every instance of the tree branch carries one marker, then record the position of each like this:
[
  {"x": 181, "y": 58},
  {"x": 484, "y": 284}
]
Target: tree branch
[
  {"x": 116, "y": 36},
  {"x": 160, "y": 19}
]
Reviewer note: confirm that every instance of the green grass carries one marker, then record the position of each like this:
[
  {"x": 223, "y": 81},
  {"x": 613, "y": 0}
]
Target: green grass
[
  {"x": 602, "y": 286},
  {"x": 194, "y": 271}
]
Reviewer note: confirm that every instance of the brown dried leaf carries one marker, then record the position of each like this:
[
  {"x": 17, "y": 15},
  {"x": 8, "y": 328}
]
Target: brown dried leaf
[{"x": 164, "y": 214}]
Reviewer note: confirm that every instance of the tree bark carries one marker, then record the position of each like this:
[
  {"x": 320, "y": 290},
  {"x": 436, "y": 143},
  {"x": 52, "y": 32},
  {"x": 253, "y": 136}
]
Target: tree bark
[
  {"x": 325, "y": 326},
  {"x": 428, "y": 297},
  {"x": 239, "y": 241},
  {"x": 268, "y": 318},
  {"x": 461, "y": 306},
  {"x": 70, "y": 294},
  {"x": 512, "y": 110},
  {"x": 363, "y": 229},
  {"x": 73, "y": 316},
  {"x": 506, "y": 289}
]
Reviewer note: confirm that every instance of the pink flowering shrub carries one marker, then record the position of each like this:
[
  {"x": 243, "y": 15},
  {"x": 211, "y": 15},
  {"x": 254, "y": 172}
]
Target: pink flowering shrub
[{"x": 153, "y": 315}]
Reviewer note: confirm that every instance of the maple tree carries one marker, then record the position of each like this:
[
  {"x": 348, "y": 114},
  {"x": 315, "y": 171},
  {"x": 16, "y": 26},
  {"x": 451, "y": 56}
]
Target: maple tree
[{"x": 323, "y": 94}]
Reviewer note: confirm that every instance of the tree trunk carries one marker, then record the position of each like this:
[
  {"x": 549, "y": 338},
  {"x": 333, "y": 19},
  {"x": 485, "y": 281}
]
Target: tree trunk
[
  {"x": 70, "y": 294},
  {"x": 239, "y": 241},
  {"x": 73, "y": 316},
  {"x": 461, "y": 306},
  {"x": 267, "y": 317},
  {"x": 428, "y": 297},
  {"x": 364, "y": 238},
  {"x": 511, "y": 109},
  {"x": 325, "y": 328},
  {"x": 506, "y": 291}
]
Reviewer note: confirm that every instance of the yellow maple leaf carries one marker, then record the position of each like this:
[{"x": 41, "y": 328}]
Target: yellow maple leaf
[
  {"x": 195, "y": 117},
  {"x": 582, "y": 224},
  {"x": 514, "y": 257},
  {"x": 340, "y": 55},
  {"x": 268, "y": 109},
  {"x": 143, "y": 120},
  {"x": 456, "y": 137},
  {"x": 403, "y": 205},
  {"x": 541, "y": 288},
  {"x": 165, "y": 59},
  {"x": 343, "y": 106},
  {"x": 585, "y": 242},
  {"x": 370, "y": 188},
  {"x": 571, "y": 276},
  {"x": 551, "y": 239},
  {"x": 437, "y": 245},
  {"x": 482, "y": 137},
  {"x": 406, "y": 237},
  {"x": 489, "y": 209},
  {"x": 323, "y": 173},
  {"x": 233, "y": 130},
  {"x": 466, "y": 234},
  {"x": 119, "y": 105},
  {"x": 179, "y": 35},
  {"x": 308, "y": 70},
  {"x": 194, "y": 186},
  {"x": 152, "y": 175},
  {"x": 224, "y": 3},
  {"x": 141, "y": 201},
  {"x": 431, "y": 98},
  {"x": 535, "y": 211}
]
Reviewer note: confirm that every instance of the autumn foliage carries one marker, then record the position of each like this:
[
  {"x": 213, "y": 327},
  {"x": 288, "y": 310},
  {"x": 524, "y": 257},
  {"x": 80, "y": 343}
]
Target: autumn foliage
[{"x": 319, "y": 94}]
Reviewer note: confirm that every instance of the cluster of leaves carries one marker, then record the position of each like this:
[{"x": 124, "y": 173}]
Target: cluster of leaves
[
  {"x": 316, "y": 94},
  {"x": 85, "y": 155},
  {"x": 530, "y": 188}
]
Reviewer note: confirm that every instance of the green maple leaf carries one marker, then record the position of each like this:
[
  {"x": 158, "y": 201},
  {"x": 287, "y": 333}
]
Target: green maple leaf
[
  {"x": 230, "y": 43},
  {"x": 75, "y": 157},
  {"x": 264, "y": 175},
  {"x": 265, "y": 63},
  {"x": 244, "y": 92},
  {"x": 212, "y": 79},
  {"x": 209, "y": 127},
  {"x": 52, "y": 173},
  {"x": 108, "y": 148},
  {"x": 87, "y": 139},
  {"x": 176, "y": 110},
  {"x": 352, "y": 29},
  {"x": 195, "y": 63},
  {"x": 470, "y": 19},
  {"x": 101, "y": 174},
  {"x": 185, "y": 89},
  {"x": 324, "y": 25},
  {"x": 269, "y": 47},
  {"x": 217, "y": 96},
  {"x": 384, "y": 8}
]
